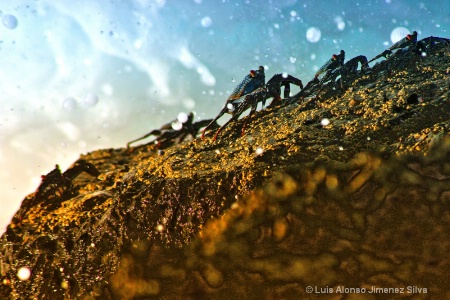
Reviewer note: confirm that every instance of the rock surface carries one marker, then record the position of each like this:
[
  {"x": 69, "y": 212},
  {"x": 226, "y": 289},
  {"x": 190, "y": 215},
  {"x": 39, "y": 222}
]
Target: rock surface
[{"x": 359, "y": 203}]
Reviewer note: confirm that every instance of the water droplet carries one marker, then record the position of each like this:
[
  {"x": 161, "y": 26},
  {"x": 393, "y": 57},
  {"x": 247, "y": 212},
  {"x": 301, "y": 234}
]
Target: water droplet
[
  {"x": 10, "y": 21},
  {"x": 91, "y": 99},
  {"x": 206, "y": 22},
  {"x": 230, "y": 107},
  {"x": 325, "y": 122},
  {"x": 182, "y": 117},
  {"x": 339, "y": 23},
  {"x": 189, "y": 103},
  {"x": 24, "y": 273},
  {"x": 69, "y": 103},
  {"x": 313, "y": 34},
  {"x": 177, "y": 125},
  {"x": 398, "y": 33}
]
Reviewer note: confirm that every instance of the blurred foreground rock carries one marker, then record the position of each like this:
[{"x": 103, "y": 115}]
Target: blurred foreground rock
[{"x": 361, "y": 203}]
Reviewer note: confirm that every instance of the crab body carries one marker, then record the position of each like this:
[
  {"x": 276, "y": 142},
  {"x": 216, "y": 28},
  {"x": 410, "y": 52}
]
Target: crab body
[
  {"x": 167, "y": 136},
  {"x": 236, "y": 107}
]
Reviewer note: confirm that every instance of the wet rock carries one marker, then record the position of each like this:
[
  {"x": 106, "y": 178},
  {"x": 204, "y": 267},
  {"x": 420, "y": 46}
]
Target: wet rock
[{"x": 361, "y": 202}]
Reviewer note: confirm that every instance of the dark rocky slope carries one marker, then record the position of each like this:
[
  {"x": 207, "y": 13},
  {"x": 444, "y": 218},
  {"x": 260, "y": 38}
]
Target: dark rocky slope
[{"x": 361, "y": 202}]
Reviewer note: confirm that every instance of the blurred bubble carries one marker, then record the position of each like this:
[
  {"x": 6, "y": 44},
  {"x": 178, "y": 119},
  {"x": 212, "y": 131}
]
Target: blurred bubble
[
  {"x": 313, "y": 34},
  {"x": 177, "y": 125},
  {"x": 91, "y": 99},
  {"x": 293, "y": 13},
  {"x": 189, "y": 103},
  {"x": 138, "y": 44},
  {"x": 24, "y": 273},
  {"x": 108, "y": 89},
  {"x": 259, "y": 151},
  {"x": 160, "y": 227},
  {"x": 398, "y": 33},
  {"x": 182, "y": 117},
  {"x": 10, "y": 21},
  {"x": 339, "y": 23},
  {"x": 325, "y": 122},
  {"x": 312, "y": 56},
  {"x": 206, "y": 22},
  {"x": 230, "y": 107},
  {"x": 292, "y": 59},
  {"x": 69, "y": 103}
]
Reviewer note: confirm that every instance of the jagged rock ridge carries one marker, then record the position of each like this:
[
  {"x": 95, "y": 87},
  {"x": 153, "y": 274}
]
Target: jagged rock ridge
[{"x": 150, "y": 225}]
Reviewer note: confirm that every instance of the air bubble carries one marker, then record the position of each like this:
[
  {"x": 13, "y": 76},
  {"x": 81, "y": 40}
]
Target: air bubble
[
  {"x": 24, "y": 273},
  {"x": 292, "y": 59},
  {"x": 182, "y": 117},
  {"x": 398, "y": 33},
  {"x": 91, "y": 99},
  {"x": 206, "y": 22},
  {"x": 339, "y": 23},
  {"x": 259, "y": 151},
  {"x": 10, "y": 21},
  {"x": 230, "y": 107},
  {"x": 177, "y": 125},
  {"x": 69, "y": 103},
  {"x": 313, "y": 34},
  {"x": 325, "y": 122}
]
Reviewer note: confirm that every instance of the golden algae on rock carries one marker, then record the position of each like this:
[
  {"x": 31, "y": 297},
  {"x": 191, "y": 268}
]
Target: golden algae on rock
[{"x": 362, "y": 201}]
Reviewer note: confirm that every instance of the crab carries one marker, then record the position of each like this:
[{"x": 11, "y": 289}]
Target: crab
[
  {"x": 167, "y": 135},
  {"x": 236, "y": 107},
  {"x": 56, "y": 182},
  {"x": 346, "y": 70},
  {"x": 54, "y": 186},
  {"x": 335, "y": 62},
  {"x": 408, "y": 40}
]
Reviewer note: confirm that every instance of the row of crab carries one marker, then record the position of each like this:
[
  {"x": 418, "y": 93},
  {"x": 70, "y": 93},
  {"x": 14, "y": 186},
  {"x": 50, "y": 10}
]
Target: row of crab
[
  {"x": 253, "y": 90},
  {"x": 247, "y": 95}
]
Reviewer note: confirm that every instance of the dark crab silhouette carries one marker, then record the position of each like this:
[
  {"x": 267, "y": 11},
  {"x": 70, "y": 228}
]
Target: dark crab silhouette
[
  {"x": 408, "y": 40},
  {"x": 55, "y": 187},
  {"x": 236, "y": 107},
  {"x": 167, "y": 135},
  {"x": 56, "y": 183}
]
